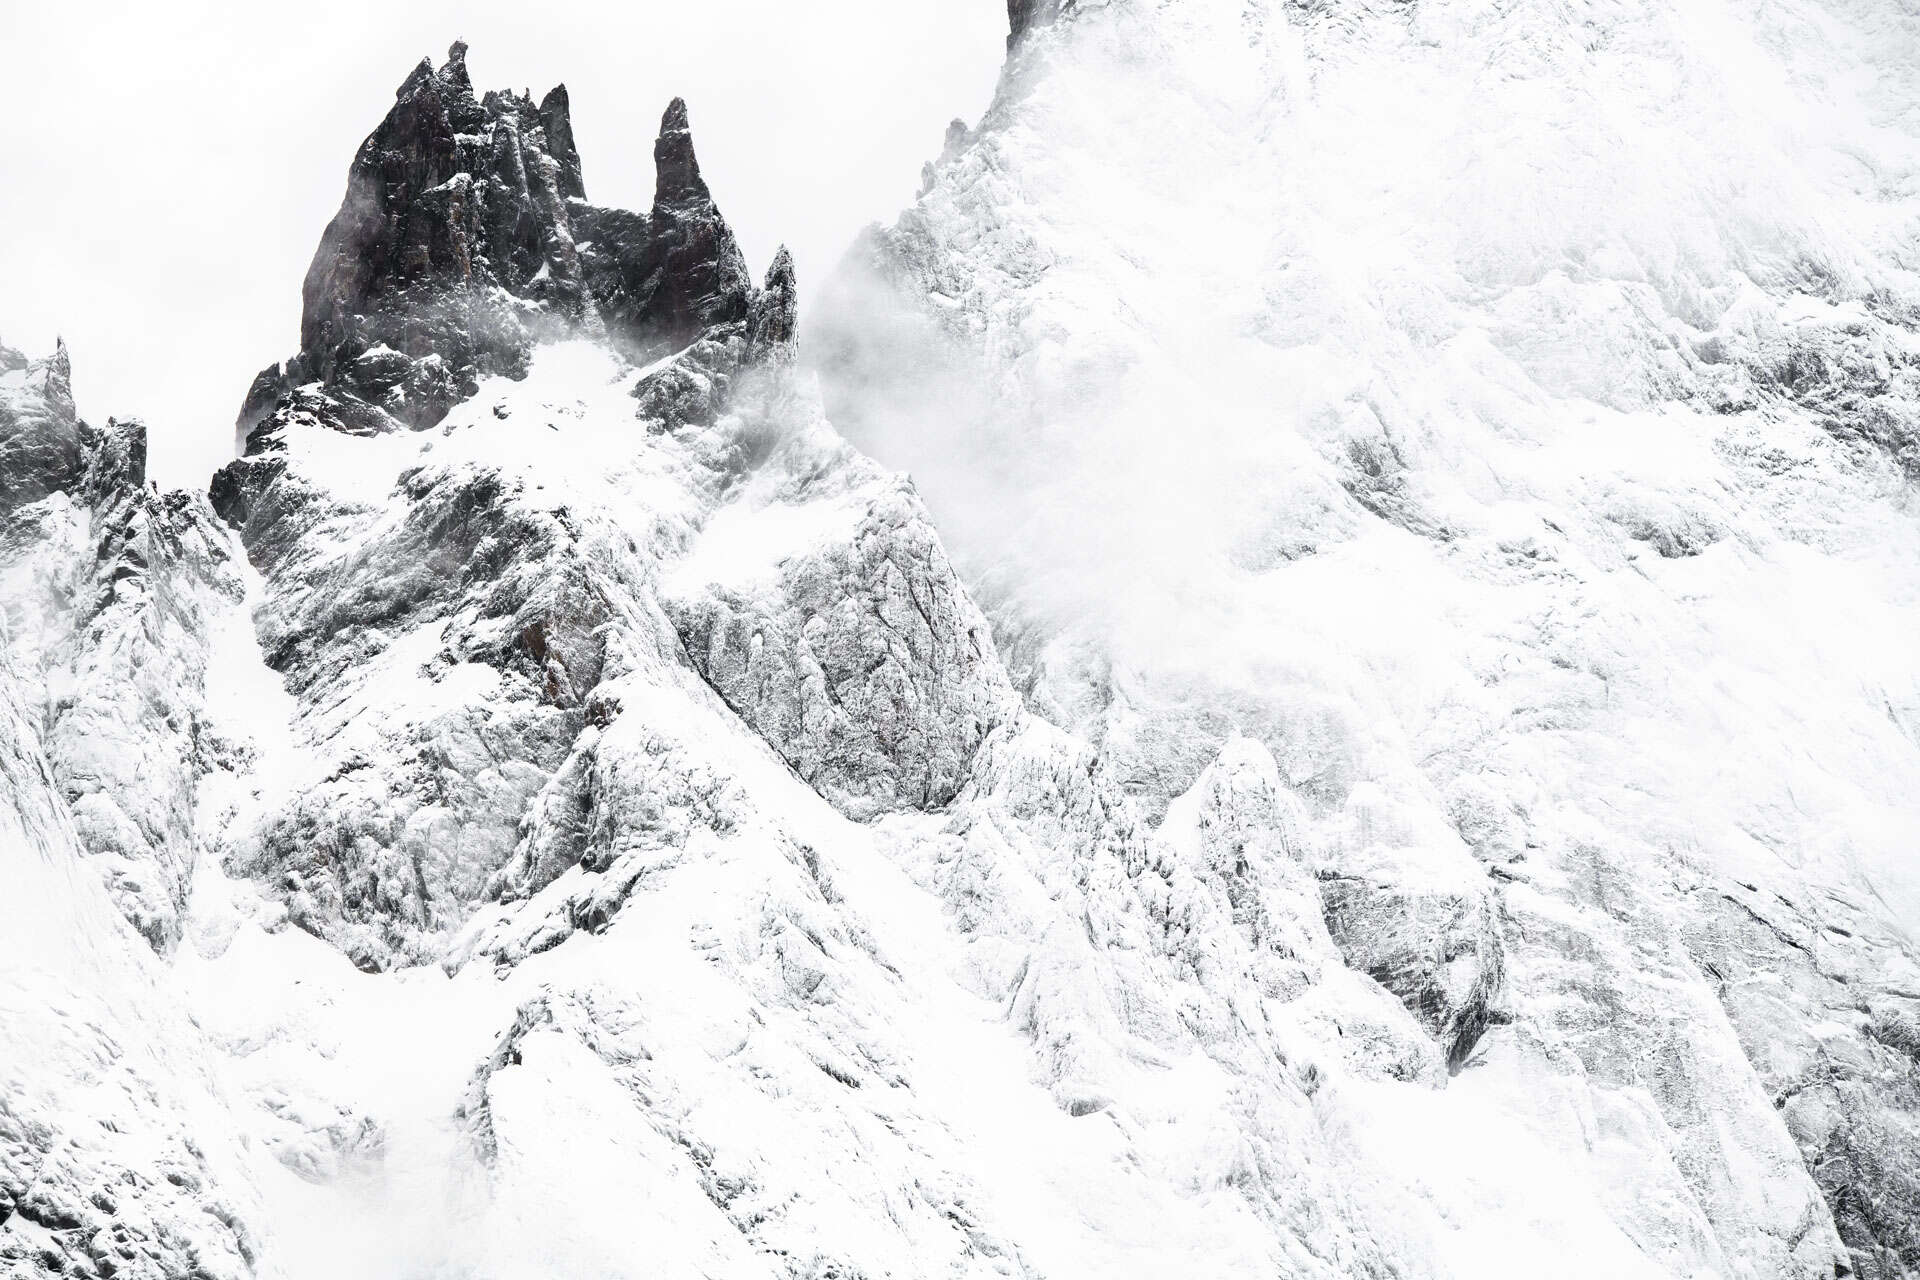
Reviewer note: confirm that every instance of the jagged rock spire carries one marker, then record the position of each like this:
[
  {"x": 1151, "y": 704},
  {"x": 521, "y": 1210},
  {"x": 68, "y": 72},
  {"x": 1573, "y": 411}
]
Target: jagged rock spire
[
  {"x": 676, "y": 170},
  {"x": 454, "y": 73},
  {"x": 456, "y": 251},
  {"x": 556, "y": 117},
  {"x": 453, "y": 241},
  {"x": 376, "y": 239},
  {"x": 775, "y": 312},
  {"x": 679, "y": 272},
  {"x": 701, "y": 277}
]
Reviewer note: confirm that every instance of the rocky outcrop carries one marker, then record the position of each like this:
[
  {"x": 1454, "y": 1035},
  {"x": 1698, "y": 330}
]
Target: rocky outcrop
[
  {"x": 773, "y": 318},
  {"x": 662, "y": 280},
  {"x": 861, "y": 660},
  {"x": 40, "y": 449},
  {"x": 109, "y": 586},
  {"x": 465, "y": 240},
  {"x": 1440, "y": 953},
  {"x": 451, "y": 254}
]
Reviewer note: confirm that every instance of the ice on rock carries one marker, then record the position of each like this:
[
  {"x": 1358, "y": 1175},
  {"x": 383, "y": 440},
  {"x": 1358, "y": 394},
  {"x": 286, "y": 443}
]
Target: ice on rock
[
  {"x": 1531, "y": 487},
  {"x": 119, "y": 1155},
  {"x": 859, "y": 657},
  {"x": 40, "y": 450},
  {"x": 110, "y": 590},
  {"x": 1426, "y": 797}
]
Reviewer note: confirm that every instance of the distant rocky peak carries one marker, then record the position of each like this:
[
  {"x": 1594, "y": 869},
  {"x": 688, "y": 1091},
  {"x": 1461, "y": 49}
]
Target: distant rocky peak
[
  {"x": 676, "y": 170},
  {"x": 556, "y": 117},
  {"x": 464, "y": 240}
]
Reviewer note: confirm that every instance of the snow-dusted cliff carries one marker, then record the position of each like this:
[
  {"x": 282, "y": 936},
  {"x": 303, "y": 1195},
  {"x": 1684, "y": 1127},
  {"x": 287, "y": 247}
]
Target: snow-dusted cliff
[
  {"x": 1430, "y": 794},
  {"x": 1507, "y": 415}
]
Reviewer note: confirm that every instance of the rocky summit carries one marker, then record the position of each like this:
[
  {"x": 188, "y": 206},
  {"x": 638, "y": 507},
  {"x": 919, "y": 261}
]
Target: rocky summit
[
  {"x": 465, "y": 240},
  {"x": 1379, "y": 741}
]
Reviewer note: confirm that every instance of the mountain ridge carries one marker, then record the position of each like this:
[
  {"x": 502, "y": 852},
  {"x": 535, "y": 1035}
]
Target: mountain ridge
[{"x": 574, "y": 816}]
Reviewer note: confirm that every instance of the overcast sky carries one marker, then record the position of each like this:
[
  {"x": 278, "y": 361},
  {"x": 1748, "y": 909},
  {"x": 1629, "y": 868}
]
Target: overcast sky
[{"x": 166, "y": 168}]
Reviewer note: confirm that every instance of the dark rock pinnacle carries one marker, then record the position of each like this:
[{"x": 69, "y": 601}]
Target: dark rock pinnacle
[
  {"x": 465, "y": 239},
  {"x": 556, "y": 116},
  {"x": 774, "y": 315}
]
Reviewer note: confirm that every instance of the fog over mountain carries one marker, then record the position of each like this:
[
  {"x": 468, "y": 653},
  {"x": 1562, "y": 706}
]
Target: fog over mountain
[{"x": 1302, "y": 666}]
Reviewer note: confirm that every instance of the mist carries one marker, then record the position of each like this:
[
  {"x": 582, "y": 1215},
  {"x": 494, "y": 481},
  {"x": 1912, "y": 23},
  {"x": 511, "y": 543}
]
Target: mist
[{"x": 1216, "y": 463}]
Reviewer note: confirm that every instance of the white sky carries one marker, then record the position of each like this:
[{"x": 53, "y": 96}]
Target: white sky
[{"x": 166, "y": 168}]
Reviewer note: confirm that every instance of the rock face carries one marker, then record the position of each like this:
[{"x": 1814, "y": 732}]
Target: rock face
[
  {"x": 118, "y": 1156},
  {"x": 39, "y": 435},
  {"x": 774, "y": 317},
  {"x": 109, "y": 587},
  {"x": 465, "y": 239},
  {"x": 861, "y": 661},
  {"x": 1393, "y": 510},
  {"x": 567, "y": 814}
]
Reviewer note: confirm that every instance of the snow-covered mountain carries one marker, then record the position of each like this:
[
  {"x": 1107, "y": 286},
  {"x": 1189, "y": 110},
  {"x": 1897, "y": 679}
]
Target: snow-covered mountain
[
  {"x": 1507, "y": 415},
  {"x": 1430, "y": 793}
]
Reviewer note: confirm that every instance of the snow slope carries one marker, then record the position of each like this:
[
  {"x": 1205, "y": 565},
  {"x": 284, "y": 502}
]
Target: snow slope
[
  {"x": 1426, "y": 792},
  {"x": 1506, "y": 414}
]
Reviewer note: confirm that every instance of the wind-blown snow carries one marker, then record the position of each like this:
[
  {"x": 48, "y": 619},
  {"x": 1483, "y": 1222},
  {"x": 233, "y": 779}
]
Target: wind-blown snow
[
  {"x": 1507, "y": 415},
  {"x": 1431, "y": 794}
]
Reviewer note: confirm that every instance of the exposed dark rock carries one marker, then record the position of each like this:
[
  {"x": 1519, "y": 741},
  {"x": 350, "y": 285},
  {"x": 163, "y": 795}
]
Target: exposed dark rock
[
  {"x": 1440, "y": 953},
  {"x": 465, "y": 240},
  {"x": 450, "y": 256},
  {"x": 262, "y": 396},
  {"x": 556, "y": 116},
  {"x": 774, "y": 313},
  {"x": 663, "y": 280}
]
